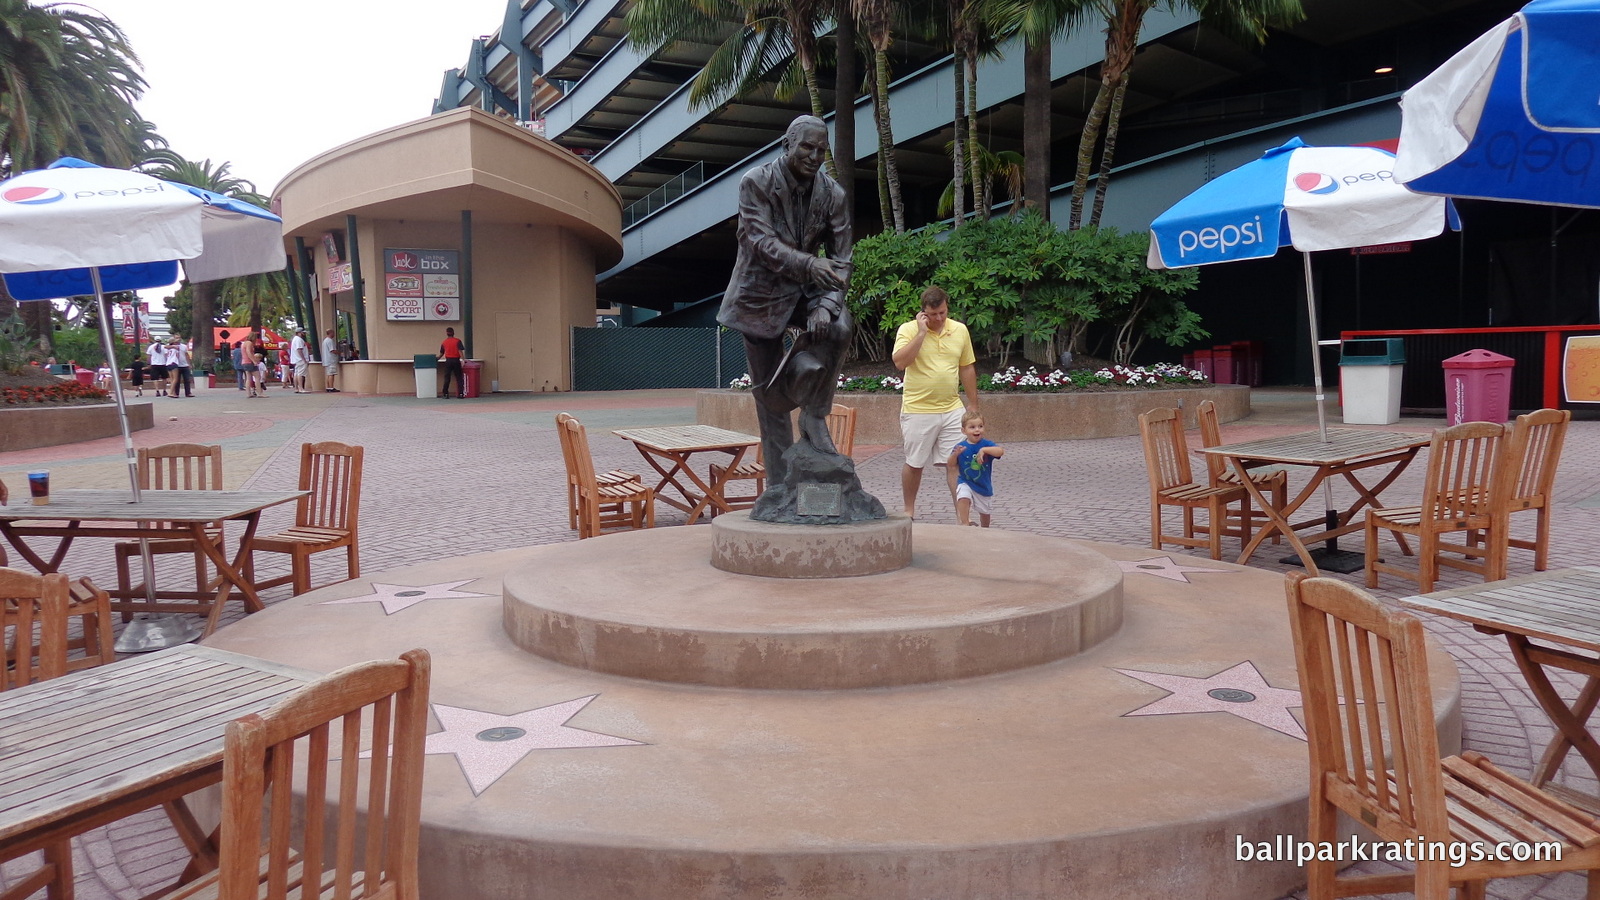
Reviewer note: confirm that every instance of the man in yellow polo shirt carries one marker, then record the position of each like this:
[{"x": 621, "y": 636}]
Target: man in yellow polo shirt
[{"x": 935, "y": 352}]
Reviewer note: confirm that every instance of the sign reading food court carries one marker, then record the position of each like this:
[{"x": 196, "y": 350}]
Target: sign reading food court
[{"x": 422, "y": 285}]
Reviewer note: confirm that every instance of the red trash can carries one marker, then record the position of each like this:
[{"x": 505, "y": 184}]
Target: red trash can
[
  {"x": 1477, "y": 387},
  {"x": 1222, "y": 371},
  {"x": 85, "y": 377},
  {"x": 472, "y": 374}
]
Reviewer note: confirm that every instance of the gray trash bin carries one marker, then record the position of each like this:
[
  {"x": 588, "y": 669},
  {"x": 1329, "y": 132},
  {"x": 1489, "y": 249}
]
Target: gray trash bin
[
  {"x": 1369, "y": 380},
  {"x": 426, "y": 367}
]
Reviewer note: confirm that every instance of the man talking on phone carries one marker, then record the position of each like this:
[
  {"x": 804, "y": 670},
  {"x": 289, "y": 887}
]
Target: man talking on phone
[{"x": 935, "y": 352}]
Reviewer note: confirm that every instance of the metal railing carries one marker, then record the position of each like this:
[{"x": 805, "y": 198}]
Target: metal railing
[{"x": 663, "y": 196}]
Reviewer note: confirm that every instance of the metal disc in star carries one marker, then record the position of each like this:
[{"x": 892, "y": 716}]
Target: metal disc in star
[
  {"x": 504, "y": 733},
  {"x": 410, "y": 593},
  {"x": 1230, "y": 695}
]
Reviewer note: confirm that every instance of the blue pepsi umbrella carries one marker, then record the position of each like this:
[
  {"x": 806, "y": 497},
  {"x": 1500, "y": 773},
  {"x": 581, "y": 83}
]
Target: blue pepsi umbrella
[{"x": 1513, "y": 116}]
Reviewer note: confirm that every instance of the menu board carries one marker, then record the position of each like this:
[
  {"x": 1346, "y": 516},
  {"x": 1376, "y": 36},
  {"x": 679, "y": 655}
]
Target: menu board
[
  {"x": 422, "y": 285},
  {"x": 1580, "y": 369}
]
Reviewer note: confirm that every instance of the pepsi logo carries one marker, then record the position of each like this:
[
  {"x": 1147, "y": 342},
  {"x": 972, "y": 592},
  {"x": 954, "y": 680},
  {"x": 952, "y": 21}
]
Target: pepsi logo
[
  {"x": 31, "y": 196},
  {"x": 1315, "y": 183}
]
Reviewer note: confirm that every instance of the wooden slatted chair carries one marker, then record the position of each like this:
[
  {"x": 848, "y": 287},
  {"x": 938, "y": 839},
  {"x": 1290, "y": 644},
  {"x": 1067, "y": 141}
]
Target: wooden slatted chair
[
  {"x": 603, "y": 506},
  {"x": 325, "y": 520},
  {"x": 1526, "y": 478},
  {"x": 358, "y": 737},
  {"x": 173, "y": 467},
  {"x": 615, "y": 476},
  {"x": 1172, "y": 483},
  {"x": 1375, "y": 756},
  {"x": 1456, "y": 497},
  {"x": 5, "y": 497},
  {"x": 841, "y": 427},
  {"x": 35, "y": 616},
  {"x": 1272, "y": 482}
]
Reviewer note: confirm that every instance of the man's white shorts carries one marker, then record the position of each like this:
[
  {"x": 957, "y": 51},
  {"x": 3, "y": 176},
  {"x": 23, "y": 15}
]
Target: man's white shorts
[
  {"x": 930, "y": 437},
  {"x": 300, "y": 369},
  {"x": 983, "y": 506}
]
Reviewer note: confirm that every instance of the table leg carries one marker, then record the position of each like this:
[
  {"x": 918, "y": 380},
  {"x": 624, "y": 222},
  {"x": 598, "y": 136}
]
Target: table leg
[
  {"x": 1277, "y": 520},
  {"x": 38, "y": 562},
  {"x": 1369, "y": 496},
  {"x": 712, "y": 494},
  {"x": 1571, "y": 722},
  {"x": 668, "y": 476},
  {"x": 229, "y": 575}
]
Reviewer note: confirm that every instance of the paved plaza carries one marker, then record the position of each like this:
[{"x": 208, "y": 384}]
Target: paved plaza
[{"x": 447, "y": 478}]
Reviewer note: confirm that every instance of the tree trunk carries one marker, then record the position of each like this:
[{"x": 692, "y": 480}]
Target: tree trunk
[
  {"x": 847, "y": 86},
  {"x": 8, "y": 304},
  {"x": 982, "y": 178},
  {"x": 885, "y": 218},
  {"x": 39, "y": 321},
  {"x": 958, "y": 188},
  {"x": 1113, "y": 124},
  {"x": 202, "y": 317},
  {"x": 891, "y": 170},
  {"x": 1122, "y": 39},
  {"x": 1036, "y": 127},
  {"x": 1086, "y": 142}
]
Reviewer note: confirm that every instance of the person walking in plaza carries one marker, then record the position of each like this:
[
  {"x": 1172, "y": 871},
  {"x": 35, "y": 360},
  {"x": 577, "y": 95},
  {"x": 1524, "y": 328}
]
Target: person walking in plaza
[
  {"x": 450, "y": 354},
  {"x": 935, "y": 352},
  {"x": 180, "y": 378},
  {"x": 158, "y": 367},
  {"x": 300, "y": 360},
  {"x": 971, "y": 471},
  {"x": 246, "y": 349},
  {"x": 136, "y": 375},
  {"x": 330, "y": 361}
]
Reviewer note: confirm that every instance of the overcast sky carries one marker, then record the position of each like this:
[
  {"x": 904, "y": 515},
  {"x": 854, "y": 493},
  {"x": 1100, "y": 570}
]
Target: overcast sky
[{"x": 267, "y": 86}]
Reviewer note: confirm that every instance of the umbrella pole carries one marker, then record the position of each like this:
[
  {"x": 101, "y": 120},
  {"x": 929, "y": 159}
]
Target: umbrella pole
[
  {"x": 1328, "y": 556},
  {"x": 150, "y": 632}
]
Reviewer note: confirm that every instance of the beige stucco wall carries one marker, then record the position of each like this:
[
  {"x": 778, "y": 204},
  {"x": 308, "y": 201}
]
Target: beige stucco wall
[{"x": 543, "y": 224}]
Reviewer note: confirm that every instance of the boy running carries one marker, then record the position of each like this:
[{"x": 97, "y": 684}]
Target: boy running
[{"x": 971, "y": 470}]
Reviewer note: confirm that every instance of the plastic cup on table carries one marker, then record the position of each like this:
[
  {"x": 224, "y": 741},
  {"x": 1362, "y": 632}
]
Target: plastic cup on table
[{"x": 39, "y": 487}]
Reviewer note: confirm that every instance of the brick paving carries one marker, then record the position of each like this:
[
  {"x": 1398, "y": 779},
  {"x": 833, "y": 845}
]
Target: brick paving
[{"x": 450, "y": 478}]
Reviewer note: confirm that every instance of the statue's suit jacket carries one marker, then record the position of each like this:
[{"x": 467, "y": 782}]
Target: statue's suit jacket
[{"x": 771, "y": 275}]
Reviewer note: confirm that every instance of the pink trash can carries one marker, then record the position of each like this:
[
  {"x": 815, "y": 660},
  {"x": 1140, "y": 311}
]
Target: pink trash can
[{"x": 1477, "y": 387}]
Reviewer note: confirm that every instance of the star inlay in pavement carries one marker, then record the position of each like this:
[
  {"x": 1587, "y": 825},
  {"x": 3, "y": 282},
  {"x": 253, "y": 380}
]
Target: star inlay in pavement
[
  {"x": 396, "y": 597},
  {"x": 1239, "y": 691},
  {"x": 1163, "y": 567},
  {"x": 487, "y": 745}
]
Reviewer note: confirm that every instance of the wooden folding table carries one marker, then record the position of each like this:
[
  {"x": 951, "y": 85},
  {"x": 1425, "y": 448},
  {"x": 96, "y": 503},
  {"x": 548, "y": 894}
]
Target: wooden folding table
[{"x": 676, "y": 444}]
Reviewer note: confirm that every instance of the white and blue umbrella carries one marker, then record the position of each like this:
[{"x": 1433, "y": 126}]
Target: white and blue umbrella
[
  {"x": 1310, "y": 198},
  {"x": 1513, "y": 116}
]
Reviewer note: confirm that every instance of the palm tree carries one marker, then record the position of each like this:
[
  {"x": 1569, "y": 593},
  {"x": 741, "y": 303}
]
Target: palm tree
[
  {"x": 68, "y": 80},
  {"x": 876, "y": 18},
  {"x": 169, "y": 166},
  {"x": 1244, "y": 18},
  {"x": 977, "y": 32}
]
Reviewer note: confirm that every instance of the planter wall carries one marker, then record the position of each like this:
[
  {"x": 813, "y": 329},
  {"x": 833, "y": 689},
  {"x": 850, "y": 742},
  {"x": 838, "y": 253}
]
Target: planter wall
[
  {"x": 1010, "y": 417},
  {"x": 48, "y": 426}
]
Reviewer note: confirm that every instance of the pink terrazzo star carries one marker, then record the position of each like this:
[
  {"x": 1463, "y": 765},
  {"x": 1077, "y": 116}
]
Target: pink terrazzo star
[
  {"x": 1163, "y": 567},
  {"x": 1239, "y": 691},
  {"x": 487, "y": 745},
  {"x": 396, "y": 597}
]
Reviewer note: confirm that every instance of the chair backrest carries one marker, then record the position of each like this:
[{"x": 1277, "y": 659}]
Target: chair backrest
[
  {"x": 1210, "y": 436},
  {"x": 331, "y": 471},
  {"x": 180, "y": 467},
  {"x": 1528, "y": 466},
  {"x": 33, "y": 627},
  {"x": 566, "y": 446},
  {"x": 1166, "y": 456},
  {"x": 575, "y": 445},
  {"x": 360, "y": 831},
  {"x": 1461, "y": 462},
  {"x": 1368, "y": 706},
  {"x": 842, "y": 428}
]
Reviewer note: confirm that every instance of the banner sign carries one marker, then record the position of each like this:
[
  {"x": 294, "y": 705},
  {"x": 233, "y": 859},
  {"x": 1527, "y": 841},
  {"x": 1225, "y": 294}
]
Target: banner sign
[
  {"x": 134, "y": 318},
  {"x": 340, "y": 279},
  {"x": 422, "y": 285}
]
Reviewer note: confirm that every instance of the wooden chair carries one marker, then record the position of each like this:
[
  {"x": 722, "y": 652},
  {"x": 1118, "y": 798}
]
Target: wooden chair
[
  {"x": 1375, "y": 755},
  {"x": 1166, "y": 458},
  {"x": 841, "y": 427},
  {"x": 615, "y": 476},
  {"x": 602, "y": 506},
  {"x": 1527, "y": 475},
  {"x": 1456, "y": 497},
  {"x": 1273, "y": 482},
  {"x": 173, "y": 467},
  {"x": 5, "y": 497},
  {"x": 35, "y": 614},
  {"x": 324, "y": 520},
  {"x": 358, "y": 737}
]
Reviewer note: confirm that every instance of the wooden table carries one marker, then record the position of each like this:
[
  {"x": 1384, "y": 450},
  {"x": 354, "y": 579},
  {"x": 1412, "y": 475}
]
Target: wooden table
[
  {"x": 99, "y": 745},
  {"x": 159, "y": 514},
  {"x": 675, "y": 444},
  {"x": 1560, "y": 607},
  {"x": 1346, "y": 452}
]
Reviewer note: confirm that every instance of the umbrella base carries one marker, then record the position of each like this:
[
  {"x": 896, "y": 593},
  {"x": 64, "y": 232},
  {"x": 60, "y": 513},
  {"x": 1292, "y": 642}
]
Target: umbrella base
[
  {"x": 148, "y": 633},
  {"x": 1331, "y": 560}
]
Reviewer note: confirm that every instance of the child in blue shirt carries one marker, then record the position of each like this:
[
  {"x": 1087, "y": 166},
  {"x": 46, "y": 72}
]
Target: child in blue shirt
[{"x": 971, "y": 470}]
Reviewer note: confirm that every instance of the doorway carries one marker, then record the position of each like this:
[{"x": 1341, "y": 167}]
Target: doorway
[{"x": 513, "y": 349}]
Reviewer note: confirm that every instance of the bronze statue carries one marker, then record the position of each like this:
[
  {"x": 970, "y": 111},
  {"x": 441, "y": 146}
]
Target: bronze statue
[{"x": 790, "y": 214}]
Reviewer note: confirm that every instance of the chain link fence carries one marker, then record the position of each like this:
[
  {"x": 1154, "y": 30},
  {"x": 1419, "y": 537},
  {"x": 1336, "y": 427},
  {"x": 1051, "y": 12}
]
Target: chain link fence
[{"x": 626, "y": 359}]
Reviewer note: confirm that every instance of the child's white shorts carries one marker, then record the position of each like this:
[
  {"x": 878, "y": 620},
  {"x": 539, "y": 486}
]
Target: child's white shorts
[{"x": 983, "y": 506}]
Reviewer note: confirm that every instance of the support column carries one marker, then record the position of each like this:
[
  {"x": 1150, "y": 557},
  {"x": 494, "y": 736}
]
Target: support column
[
  {"x": 353, "y": 244},
  {"x": 304, "y": 255},
  {"x": 466, "y": 279}
]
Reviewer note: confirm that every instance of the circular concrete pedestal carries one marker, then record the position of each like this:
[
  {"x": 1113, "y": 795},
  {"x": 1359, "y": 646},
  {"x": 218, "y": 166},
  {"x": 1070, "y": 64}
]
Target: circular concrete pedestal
[
  {"x": 742, "y": 545},
  {"x": 973, "y": 602}
]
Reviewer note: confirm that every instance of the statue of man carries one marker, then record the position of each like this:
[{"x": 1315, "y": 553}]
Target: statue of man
[{"x": 790, "y": 212}]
